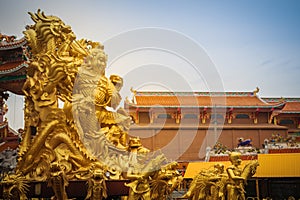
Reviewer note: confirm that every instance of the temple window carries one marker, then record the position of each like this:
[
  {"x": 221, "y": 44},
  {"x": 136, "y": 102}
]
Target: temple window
[
  {"x": 242, "y": 116},
  {"x": 286, "y": 121},
  {"x": 190, "y": 116},
  {"x": 216, "y": 116},
  {"x": 164, "y": 116}
]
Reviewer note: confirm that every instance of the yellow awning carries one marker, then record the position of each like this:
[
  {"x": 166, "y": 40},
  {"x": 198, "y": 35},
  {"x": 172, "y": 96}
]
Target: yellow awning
[
  {"x": 279, "y": 165},
  {"x": 270, "y": 165},
  {"x": 194, "y": 168}
]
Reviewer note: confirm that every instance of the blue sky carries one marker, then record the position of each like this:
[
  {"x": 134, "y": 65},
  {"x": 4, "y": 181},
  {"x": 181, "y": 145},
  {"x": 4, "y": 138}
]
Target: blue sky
[{"x": 250, "y": 43}]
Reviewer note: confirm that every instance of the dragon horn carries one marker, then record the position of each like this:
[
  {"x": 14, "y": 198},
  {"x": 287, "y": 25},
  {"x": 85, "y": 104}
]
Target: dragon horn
[
  {"x": 33, "y": 17},
  {"x": 76, "y": 46}
]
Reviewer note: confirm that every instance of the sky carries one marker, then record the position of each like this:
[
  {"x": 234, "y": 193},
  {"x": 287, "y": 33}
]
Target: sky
[{"x": 180, "y": 45}]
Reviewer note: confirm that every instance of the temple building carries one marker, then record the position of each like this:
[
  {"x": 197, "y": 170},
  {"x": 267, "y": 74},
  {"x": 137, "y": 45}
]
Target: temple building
[
  {"x": 13, "y": 64},
  {"x": 289, "y": 116},
  {"x": 183, "y": 124}
]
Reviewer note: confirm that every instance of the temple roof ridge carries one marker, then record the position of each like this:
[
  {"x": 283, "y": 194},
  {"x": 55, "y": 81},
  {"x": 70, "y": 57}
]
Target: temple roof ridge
[
  {"x": 192, "y": 93},
  {"x": 278, "y": 99},
  {"x": 16, "y": 43},
  {"x": 202, "y": 99},
  {"x": 11, "y": 67}
]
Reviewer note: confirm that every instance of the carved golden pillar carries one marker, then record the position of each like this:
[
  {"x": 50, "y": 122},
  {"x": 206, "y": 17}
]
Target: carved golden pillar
[
  {"x": 272, "y": 117},
  {"x": 230, "y": 116},
  {"x": 136, "y": 116},
  {"x": 255, "y": 116},
  {"x": 178, "y": 116},
  {"x": 152, "y": 115},
  {"x": 204, "y": 116},
  {"x": 275, "y": 120},
  {"x": 255, "y": 120}
]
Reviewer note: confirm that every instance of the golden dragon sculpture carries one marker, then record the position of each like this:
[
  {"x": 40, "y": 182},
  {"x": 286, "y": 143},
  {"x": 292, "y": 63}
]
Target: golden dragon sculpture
[
  {"x": 69, "y": 133},
  {"x": 50, "y": 135}
]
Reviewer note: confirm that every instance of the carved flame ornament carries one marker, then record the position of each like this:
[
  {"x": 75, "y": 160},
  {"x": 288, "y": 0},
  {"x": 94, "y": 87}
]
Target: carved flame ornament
[{"x": 83, "y": 140}]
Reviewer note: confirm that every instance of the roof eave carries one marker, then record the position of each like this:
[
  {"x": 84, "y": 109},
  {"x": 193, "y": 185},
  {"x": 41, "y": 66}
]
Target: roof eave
[
  {"x": 216, "y": 106},
  {"x": 13, "y": 45},
  {"x": 18, "y": 67}
]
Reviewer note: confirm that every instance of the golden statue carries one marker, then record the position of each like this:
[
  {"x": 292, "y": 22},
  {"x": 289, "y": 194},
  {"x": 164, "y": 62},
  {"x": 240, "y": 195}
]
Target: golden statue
[
  {"x": 152, "y": 180},
  {"x": 87, "y": 136},
  {"x": 208, "y": 184},
  {"x": 215, "y": 184},
  {"x": 237, "y": 177},
  {"x": 58, "y": 181},
  {"x": 139, "y": 187},
  {"x": 165, "y": 181},
  {"x": 235, "y": 187},
  {"x": 15, "y": 186},
  {"x": 50, "y": 133},
  {"x": 97, "y": 186}
]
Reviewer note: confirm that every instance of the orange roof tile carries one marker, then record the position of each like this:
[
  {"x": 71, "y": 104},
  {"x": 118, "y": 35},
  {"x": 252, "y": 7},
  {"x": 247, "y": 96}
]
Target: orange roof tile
[
  {"x": 291, "y": 107},
  {"x": 145, "y": 99}
]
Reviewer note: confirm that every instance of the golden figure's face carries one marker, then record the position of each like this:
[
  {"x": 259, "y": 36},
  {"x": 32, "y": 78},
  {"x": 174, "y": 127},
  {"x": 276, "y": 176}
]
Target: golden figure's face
[
  {"x": 97, "y": 60},
  {"x": 219, "y": 168},
  {"x": 235, "y": 158},
  {"x": 238, "y": 161}
]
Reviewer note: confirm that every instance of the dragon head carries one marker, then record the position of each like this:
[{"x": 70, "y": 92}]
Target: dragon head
[{"x": 45, "y": 29}]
